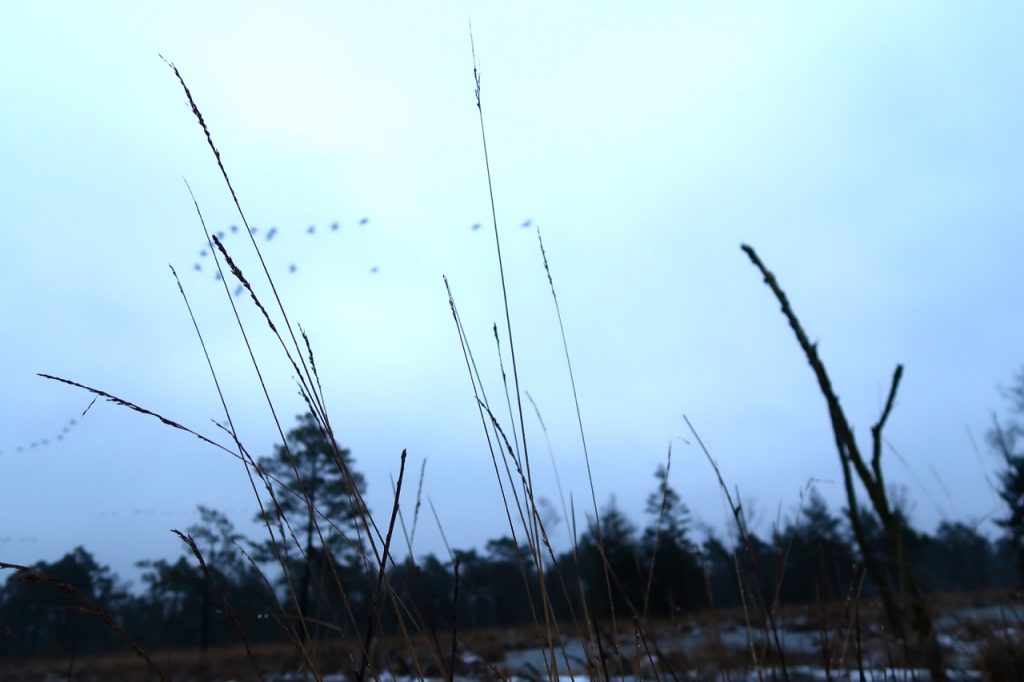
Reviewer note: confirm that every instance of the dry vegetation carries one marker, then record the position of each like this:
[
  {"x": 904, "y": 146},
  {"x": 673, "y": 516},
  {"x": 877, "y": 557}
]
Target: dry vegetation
[{"x": 851, "y": 637}]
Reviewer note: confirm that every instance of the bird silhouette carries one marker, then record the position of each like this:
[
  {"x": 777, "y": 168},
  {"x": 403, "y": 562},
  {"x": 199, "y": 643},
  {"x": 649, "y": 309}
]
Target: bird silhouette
[
  {"x": 274, "y": 234},
  {"x": 476, "y": 226},
  {"x": 527, "y": 223},
  {"x": 43, "y": 442}
]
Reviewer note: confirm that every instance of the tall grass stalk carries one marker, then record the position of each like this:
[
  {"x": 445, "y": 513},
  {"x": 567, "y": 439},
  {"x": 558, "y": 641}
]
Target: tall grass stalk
[
  {"x": 583, "y": 434},
  {"x": 550, "y": 625}
]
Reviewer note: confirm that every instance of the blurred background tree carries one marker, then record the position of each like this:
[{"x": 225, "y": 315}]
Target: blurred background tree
[
  {"x": 1006, "y": 438},
  {"x": 319, "y": 504}
]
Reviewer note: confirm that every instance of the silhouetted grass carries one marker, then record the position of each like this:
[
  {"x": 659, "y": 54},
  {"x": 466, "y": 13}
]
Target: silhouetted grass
[
  {"x": 625, "y": 644},
  {"x": 33, "y": 578}
]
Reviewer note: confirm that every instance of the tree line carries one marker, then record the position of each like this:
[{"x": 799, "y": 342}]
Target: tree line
[{"x": 316, "y": 568}]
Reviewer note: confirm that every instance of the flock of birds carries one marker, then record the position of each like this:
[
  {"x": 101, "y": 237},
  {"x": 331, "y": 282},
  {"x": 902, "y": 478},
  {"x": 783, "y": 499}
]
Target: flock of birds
[
  {"x": 205, "y": 265},
  {"x": 181, "y": 512},
  {"x": 51, "y": 439},
  {"x": 526, "y": 223},
  {"x": 205, "y": 262},
  {"x": 18, "y": 539}
]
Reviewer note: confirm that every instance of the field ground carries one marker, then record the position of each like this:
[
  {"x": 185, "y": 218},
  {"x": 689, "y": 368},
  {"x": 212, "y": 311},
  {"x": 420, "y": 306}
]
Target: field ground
[{"x": 983, "y": 635}]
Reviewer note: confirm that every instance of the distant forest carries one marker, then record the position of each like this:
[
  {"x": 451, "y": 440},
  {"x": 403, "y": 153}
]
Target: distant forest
[
  {"x": 659, "y": 570},
  {"x": 319, "y": 564}
]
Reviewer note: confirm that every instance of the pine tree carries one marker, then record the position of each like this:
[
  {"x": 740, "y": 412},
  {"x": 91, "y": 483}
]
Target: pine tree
[
  {"x": 675, "y": 580},
  {"x": 1007, "y": 439},
  {"x": 319, "y": 504}
]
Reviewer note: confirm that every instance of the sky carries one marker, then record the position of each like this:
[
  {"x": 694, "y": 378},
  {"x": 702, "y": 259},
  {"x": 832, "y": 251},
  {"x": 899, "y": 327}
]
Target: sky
[{"x": 870, "y": 152}]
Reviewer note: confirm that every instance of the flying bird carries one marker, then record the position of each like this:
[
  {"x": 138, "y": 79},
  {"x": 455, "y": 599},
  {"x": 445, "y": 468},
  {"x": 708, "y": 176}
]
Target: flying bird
[
  {"x": 269, "y": 234},
  {"x": 476, "y": 226},
  {"x": 527, "y": 223}
]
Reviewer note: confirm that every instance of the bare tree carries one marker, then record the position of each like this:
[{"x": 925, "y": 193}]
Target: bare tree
[{"x": 915, "y": 611}]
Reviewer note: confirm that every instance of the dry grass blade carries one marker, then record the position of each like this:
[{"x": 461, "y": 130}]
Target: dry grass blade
[
  {"x": 551, "y": 456},
  {"x": 307, "y": 394},
  {"x": 572, "y": 376},
  {"x": 579, "y": 422},
  {"x": 30, "y": 576},
  {"x": 440, "y": 528},
  {"x": 309, "y": 397},
  {"x": 455, "y": 613},
  {"x": 657, "y": 531},
  {"x": 741, "y": 527},
  {"x": 220, "y": 164},
  {"x": 501, "y": 267},
  {"x": 419, "y": 500},
  {"x": 228, "y": 608},
  {"x": 312, "y": 364},
  {"x": 247, "y": 460},
  {"x": 371, "y": 626},
  {"x": 132, "y": 406},
  {"x": 89, "y": 406},
  {"x": 482, "y": 408},
  {"x": 504, "y": 381},
  {"x": 240, "y": 276}
]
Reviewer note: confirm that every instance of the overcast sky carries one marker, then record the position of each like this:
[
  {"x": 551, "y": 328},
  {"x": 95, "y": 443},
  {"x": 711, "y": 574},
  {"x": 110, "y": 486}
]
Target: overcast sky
[{"x": 871, "y": 152}]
